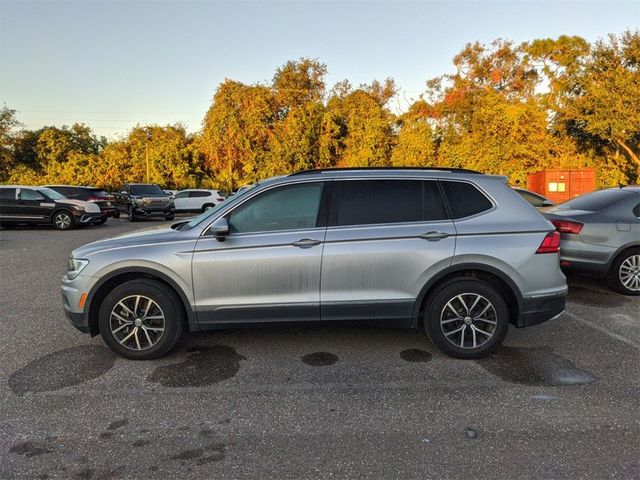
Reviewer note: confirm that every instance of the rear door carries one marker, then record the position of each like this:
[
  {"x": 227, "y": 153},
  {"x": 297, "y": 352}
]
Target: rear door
[
  {"x": 8, "y": 203},
  {"x": 385, "y": 239}
]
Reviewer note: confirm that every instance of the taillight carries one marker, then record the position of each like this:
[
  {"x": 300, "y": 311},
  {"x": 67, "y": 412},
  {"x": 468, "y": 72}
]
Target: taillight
[
  {"x": 564, "y": 226},
  {"x": 550, "y": 243},
  {"x": 221, "y": 199}
]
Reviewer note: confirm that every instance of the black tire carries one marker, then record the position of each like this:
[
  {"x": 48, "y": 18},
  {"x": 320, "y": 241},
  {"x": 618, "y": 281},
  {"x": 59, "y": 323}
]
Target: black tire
[
  {"x": 116, "y": 214},
  {"x": 170, "y": 305},
  {"x": 207, "y": 206},
  {"x": 468, "y": 289},
  {"x": 63, "y": 220},
  {"x": 169, "y": 217},
  {"x": 626, "y": 258},
  {"x": 131, "y": 215}
]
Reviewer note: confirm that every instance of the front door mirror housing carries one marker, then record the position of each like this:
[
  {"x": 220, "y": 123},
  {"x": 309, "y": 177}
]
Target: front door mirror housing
[{"x": 220, "y": 229}]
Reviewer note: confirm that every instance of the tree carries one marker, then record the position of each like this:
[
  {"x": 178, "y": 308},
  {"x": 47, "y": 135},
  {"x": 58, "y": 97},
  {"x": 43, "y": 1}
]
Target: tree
[
  {"x": 8, "y": 123},
  {"x": 416, "y": 143}
]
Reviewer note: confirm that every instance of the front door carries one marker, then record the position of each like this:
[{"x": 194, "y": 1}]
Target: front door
[
  {"x": 268, "y": 267},
  {"x": 32, "y": 205}
]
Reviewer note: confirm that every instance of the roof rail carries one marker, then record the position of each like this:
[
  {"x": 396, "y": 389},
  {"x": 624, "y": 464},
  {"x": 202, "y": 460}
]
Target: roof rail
[{"x": 347, "y": 169}]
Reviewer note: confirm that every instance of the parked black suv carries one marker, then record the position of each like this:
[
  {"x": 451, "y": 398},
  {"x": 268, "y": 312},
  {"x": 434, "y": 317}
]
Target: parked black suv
[
  {"x": 95, "y": 195},
  {"x": 144, "y": 200},
  {"x": 40, "y": 205}
]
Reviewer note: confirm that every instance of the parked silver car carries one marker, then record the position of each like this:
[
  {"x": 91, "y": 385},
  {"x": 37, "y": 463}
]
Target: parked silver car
[
  {"x": 600, "y": 233},
  {"x": 457, "y": 253}
]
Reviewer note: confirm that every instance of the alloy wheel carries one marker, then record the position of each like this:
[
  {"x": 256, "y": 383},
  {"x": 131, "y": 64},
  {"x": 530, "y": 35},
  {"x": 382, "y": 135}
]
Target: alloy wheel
[
  {"x": 137, "y": 322},
  {"x": 63, "y": 221},
  {"x": 629, "y": 273},
  {"x": 468, "y": 320}
]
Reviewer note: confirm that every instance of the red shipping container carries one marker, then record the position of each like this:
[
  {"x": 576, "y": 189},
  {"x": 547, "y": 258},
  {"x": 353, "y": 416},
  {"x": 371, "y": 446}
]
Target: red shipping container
[{"x": 561, "y": 185}]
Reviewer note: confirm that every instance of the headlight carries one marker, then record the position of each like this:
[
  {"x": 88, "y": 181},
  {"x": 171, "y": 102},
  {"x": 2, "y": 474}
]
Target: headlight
[
  {"x": 76, "y": 265},
  {"x": 78, "y": 208},
  {"x": 137, "y": 201}
]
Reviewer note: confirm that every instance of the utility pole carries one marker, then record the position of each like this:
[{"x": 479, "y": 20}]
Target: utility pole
[{"x": 146, "y": 156}]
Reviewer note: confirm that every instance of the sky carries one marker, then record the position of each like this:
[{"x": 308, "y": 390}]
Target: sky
[{"x": 115, "y": 64}]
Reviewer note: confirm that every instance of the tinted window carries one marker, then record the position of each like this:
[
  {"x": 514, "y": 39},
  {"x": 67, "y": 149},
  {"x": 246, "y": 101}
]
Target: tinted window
[
  {"x": 181, "y": 195},
  {"x": 7, "y": 193},
  {"x": 200, "y": 193},
  {"x": 595, "y": 201},
  {"x": 96, "y": 192},
  {"x": 285, "y": 208},
  {"x": 66, "y": 191},
  {"x": 533, "y": 199},
  {"x": 636, "y": 210},
  {"x": 52, "y": 194},
  {"x": 465, "y": 199},
  {"x": 28, "y": 194},
  {"x": 366, "y": 202},
  {"x": 145, "y": 190}
]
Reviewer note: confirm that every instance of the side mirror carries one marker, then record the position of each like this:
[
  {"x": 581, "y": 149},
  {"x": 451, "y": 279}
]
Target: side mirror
[{"x": 220, "y": 229}]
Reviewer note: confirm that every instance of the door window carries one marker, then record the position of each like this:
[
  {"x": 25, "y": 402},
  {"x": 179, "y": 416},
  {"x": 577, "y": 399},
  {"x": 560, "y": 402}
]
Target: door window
[
  {"x": 181, "y": 195},
  {"x": 365, "y": 202},
  {"x": 291, "y": 207},
  {"x": 28, "y": 194},
  {"x": 200, "y": 193}
]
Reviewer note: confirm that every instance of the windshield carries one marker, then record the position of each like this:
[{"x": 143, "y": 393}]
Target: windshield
[
  {"x": 594, "y": 201},
  {"x": 203, "y": 217},
  {"x": 146, "y": 190},
  {"x": 52, "y": 194}
]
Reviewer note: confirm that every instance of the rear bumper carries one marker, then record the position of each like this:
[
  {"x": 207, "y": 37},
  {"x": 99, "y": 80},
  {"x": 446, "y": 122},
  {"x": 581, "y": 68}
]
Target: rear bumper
[
  {"x": 536, "y": 310},
  {"x": 581, "y": 256}
]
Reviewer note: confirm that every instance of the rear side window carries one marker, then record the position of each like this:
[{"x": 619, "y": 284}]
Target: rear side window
[
  {"x": 367, "y": 202},
  {"x": 199, "y": 193},
  {"x": 465, "y": 199},
  {"x": 636, "y": 210},
  {"x": 594, "y": 201},
  {"x": 7, "y": 193}
]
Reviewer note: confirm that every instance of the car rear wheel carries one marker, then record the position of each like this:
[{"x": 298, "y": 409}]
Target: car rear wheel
[
  {"x": 207, "y": 206},
  {"x": 131, "y": 216},
  {"x": 169, "y": 217},
  {"x": 467, "y": 318},
  {"x": 624, "y": 276},
  {"x": 116, "y": 214},
  {"x": 141, "y": 319},
  {"x": 63, "y": 220}
]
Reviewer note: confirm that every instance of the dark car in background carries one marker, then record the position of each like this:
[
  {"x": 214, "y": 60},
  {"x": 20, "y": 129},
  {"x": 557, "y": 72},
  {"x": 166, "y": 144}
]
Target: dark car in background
[
  {"x": 144, "y": 200},
  {"x": 24, "y": 204},
  {"x": 600, "y": 234},
  {"x": 535, "y": 199},
  {"x": 96, "y": 195}
]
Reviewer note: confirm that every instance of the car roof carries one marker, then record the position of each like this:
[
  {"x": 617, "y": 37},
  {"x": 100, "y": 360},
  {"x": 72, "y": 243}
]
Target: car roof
[{"x": 74, "y": 186}]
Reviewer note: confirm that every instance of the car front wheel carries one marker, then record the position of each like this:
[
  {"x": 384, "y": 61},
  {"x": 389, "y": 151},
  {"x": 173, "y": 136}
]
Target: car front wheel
[
  {"x": 467, "y": 318},
  {"x": 63, "y": 221},
  {"x": 141, "y": 319},
  {"x": 131, "y": 216},
  {"x": 624, "y": 276}
]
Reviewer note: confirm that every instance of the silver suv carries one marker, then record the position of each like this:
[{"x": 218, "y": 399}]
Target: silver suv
[{"x": 457, "y": 253}]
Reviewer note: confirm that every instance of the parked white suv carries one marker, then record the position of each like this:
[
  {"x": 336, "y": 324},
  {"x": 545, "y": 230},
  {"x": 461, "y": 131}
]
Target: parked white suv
[{"x": 197, "y": 200}]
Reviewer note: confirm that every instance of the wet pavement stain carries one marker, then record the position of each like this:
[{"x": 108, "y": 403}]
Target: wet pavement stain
[
  {"x": 203, "y": 366},
  {"x": 415, "y": 355},
  {"x": 535, "y": 366},
  {"x": 214, "y": 452},
  {"x": 29, "y": 449},
  {"x": 320, "y": 359},
  {"x": 471, "y": 433},
  {"x": 117, "y": 424},
  {"x": 61, "y": 369},
  {"x": 140, "y": 443},
  {"x": 594, "y": 298}
]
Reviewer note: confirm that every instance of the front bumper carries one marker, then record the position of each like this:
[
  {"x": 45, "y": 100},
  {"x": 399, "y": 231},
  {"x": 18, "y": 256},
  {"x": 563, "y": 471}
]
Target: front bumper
[
  {"x": 107, "y": 212},
  {"x": 154, "y": 211},
  {"x": 85, "y": 218},
  {"x": 72, "y": 291},
  {"x": 536, "y": 310}
]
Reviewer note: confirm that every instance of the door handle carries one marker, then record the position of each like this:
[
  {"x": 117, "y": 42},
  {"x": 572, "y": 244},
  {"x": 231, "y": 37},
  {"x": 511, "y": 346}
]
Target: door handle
[
  {"x": 433, "y": 236},
  {"x": 306, "y": 243}
]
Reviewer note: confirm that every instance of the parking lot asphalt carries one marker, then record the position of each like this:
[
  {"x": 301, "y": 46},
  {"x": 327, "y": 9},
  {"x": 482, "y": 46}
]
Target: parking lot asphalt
[{"x": 559, "y": 400}]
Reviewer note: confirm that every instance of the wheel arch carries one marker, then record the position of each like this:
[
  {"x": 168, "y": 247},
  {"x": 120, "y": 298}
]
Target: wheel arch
[
  {"x": 492, "y": 275},
  {"x": 619, "y": 251},
  {"x": 102, "y": 288},
  {"x": 58, "y": 210}
]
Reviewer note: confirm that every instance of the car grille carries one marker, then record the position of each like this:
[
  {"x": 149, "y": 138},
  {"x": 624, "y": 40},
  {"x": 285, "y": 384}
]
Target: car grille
[{"x": 150, "y": 201}]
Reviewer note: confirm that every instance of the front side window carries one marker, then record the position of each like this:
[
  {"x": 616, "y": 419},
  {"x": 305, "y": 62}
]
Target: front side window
[
  {"x": 181, "y": 195},
  {"x": 291, "y": 207},
  {"x": 28, "y": 194},
  {"x": 367, "y": 202},
  {"x": 465, "y": 199}
]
